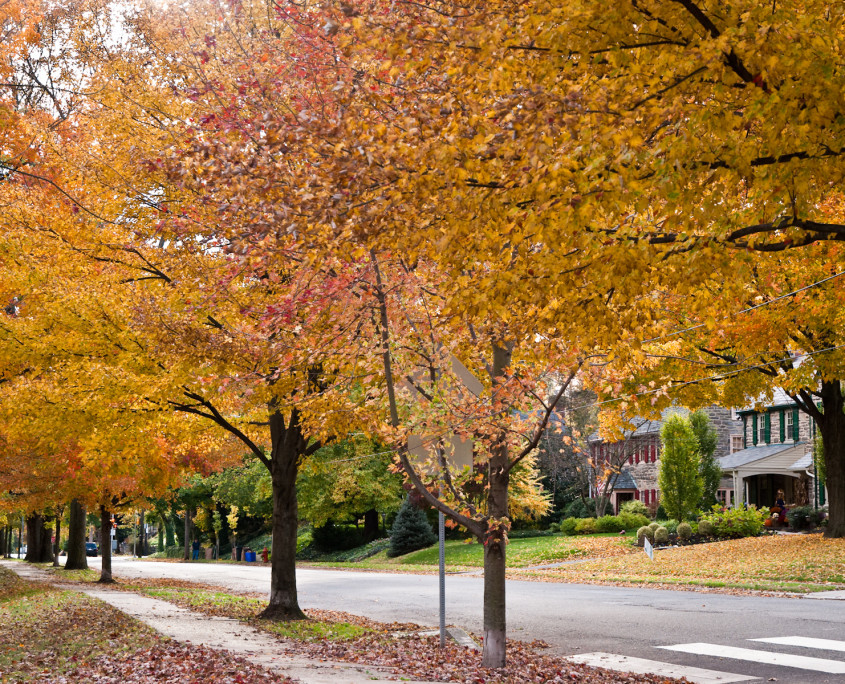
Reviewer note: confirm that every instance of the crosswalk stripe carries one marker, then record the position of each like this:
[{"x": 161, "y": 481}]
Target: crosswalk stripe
[
  {"x": 767, "y": 657},
  {"x": 620, "y": 663},
  {"x": 805, "y": 642}
]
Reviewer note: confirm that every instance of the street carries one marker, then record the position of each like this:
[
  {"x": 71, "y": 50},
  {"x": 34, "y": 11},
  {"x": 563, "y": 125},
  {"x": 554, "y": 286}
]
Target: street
[{"x": 701, "y": 628}]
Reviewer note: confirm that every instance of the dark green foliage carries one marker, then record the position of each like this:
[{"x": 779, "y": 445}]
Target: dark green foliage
[
  {"x": 581, "y": 508},
  {"x": 411, "y": 531},
  {"x": 661, "y": 535},
  {"x": 331, "y": 537},
  {"x": 804, "y": 517}
]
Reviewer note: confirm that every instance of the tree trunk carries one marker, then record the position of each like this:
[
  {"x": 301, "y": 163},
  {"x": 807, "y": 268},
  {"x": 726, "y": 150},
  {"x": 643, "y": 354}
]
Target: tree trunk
[
  {"x": 832, "y": 428},
  {"x": 495, "y": 623},
  {"x": 38, "y": 546},
  {"x": 4, "y": 543},
  {"x": 187, "y": 554},
  {"x": 288, "y": 444},
  {"x": 76, "y": 556},
  {"x": 105, "y": 546},
  {"x": 170, "y": 534},
  {"x": 57, "y": 542},
  {"x": 370, "y": 525}
]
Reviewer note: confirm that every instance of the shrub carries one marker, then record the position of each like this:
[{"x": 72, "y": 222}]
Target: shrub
[
  {"x": 733, "y": 523},
  {"x": 671, "y": 525},
  {"x": 609, "y": 523},
  {"x": 579, "y": 509},
  {"x": 634, "y": 506},
  {"x": 331, "y": 537},
  {"x": 632, "y": 521},
  {"x": 586, "y": 526},
  {"x": 705, "y": 528},
  {"x": 567, "y": 526},
  {"x": 799, "y": 517},
  {"x": 645, "y": 532},
  {"x": 410, "y": 531},
  {"x": 654, "y": 526},
  {"x": 661, "y": 535},
  {"x": 684, "y": 531},
  {"x": 660, "y": 513}
]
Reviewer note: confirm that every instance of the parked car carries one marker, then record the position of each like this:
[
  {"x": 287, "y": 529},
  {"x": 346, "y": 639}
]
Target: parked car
[{"x": 90, "y": 549}]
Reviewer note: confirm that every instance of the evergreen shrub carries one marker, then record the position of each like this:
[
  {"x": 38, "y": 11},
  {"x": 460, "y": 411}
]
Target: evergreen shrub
[
  {"x": 411, "y": 531},
  {"x": 645, "y": 532},
  {"x": 661, "y": 535},
  {"x": 684, "y": 531}
]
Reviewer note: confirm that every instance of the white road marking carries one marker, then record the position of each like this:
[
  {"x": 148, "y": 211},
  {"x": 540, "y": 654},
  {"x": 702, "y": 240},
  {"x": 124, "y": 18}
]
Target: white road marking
[
  {"x": 767, "y": 657},
  {"x": 620, "y": 663},
  {"x": 806, "y": 642}
]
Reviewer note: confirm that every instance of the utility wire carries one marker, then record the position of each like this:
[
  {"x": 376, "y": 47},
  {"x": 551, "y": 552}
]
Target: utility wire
[{"x": 751, "y": 308}]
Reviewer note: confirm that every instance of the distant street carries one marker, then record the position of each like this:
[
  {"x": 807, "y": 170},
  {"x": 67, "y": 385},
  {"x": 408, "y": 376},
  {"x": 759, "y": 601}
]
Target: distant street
[{"x": 573, "y": 618}]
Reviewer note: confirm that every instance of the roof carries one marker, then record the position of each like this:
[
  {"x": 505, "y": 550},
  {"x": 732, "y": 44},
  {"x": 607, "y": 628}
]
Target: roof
[
  {"x": 756, "y": 453},
  {"x": 803, "y": 463},
  {"x": 625, "y": 481},
  {"x": 644, "y": 426},
  {"x": 779, "y": 399}
]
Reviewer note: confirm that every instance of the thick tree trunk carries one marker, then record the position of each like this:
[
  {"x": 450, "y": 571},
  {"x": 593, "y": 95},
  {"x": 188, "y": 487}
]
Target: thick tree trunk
[
  {"x": 4, "y": 541},
  {"x": 832, "y": 428},
  {"x": 57, "y": 541},
  {"x": 288, "y": 444},
  {"x": 105, "y": 546},
  {"x": 370, "y": 525},
  {"x": 76, "y": 556},
  {"x": 495, "y": 624},
  {"x": 38, "y": 545}
]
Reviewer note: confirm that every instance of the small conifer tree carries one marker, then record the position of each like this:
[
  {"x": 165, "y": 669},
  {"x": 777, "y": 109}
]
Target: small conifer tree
[{"x": 410, "y": 531}]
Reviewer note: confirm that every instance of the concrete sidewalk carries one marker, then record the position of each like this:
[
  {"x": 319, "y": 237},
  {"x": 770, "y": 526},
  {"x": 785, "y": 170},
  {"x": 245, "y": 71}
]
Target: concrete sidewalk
[{"x": 222, "y": 633}]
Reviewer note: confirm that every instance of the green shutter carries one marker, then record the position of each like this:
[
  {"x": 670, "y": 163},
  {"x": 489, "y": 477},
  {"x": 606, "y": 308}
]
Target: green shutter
[
  {"x": 754, "y": 429},
  {"x": 782, "y": 426},
  {"x": 794, "y": 425},
  {"x": 768, "y": 427}
]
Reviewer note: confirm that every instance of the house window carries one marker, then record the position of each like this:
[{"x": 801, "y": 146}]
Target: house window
[
  {"x": 722, "y": 496},
  {"x": 736, "y": 443},
  {"x": 761, "y": 430},
  {"x": 790, "y": 424}
]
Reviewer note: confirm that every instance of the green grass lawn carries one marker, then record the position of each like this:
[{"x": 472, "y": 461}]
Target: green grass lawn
[{"x": 521, "y": 553}]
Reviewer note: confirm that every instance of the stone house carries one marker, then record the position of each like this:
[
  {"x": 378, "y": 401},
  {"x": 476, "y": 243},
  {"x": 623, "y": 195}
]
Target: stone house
[
  {"x": 633, "y": 462},
  {"x": 776, "y": 454}
]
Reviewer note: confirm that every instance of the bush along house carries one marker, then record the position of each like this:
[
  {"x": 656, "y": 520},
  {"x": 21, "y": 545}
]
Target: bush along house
[
  {"x": 627, "y": 469},
  {"x": 776, "y": 454}
]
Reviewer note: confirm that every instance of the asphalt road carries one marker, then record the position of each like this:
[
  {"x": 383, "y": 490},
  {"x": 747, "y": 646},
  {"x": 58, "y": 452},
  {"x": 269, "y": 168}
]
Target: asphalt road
[{"x": 572, "y": 618}]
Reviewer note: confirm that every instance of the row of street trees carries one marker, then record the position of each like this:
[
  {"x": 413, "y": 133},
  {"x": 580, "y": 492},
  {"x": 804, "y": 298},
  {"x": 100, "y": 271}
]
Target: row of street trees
[{"x": 266, "y": 226}]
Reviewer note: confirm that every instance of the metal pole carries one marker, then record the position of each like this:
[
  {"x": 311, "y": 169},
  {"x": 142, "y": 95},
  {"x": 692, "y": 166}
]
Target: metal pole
[{"x": 441, "y": 533}]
